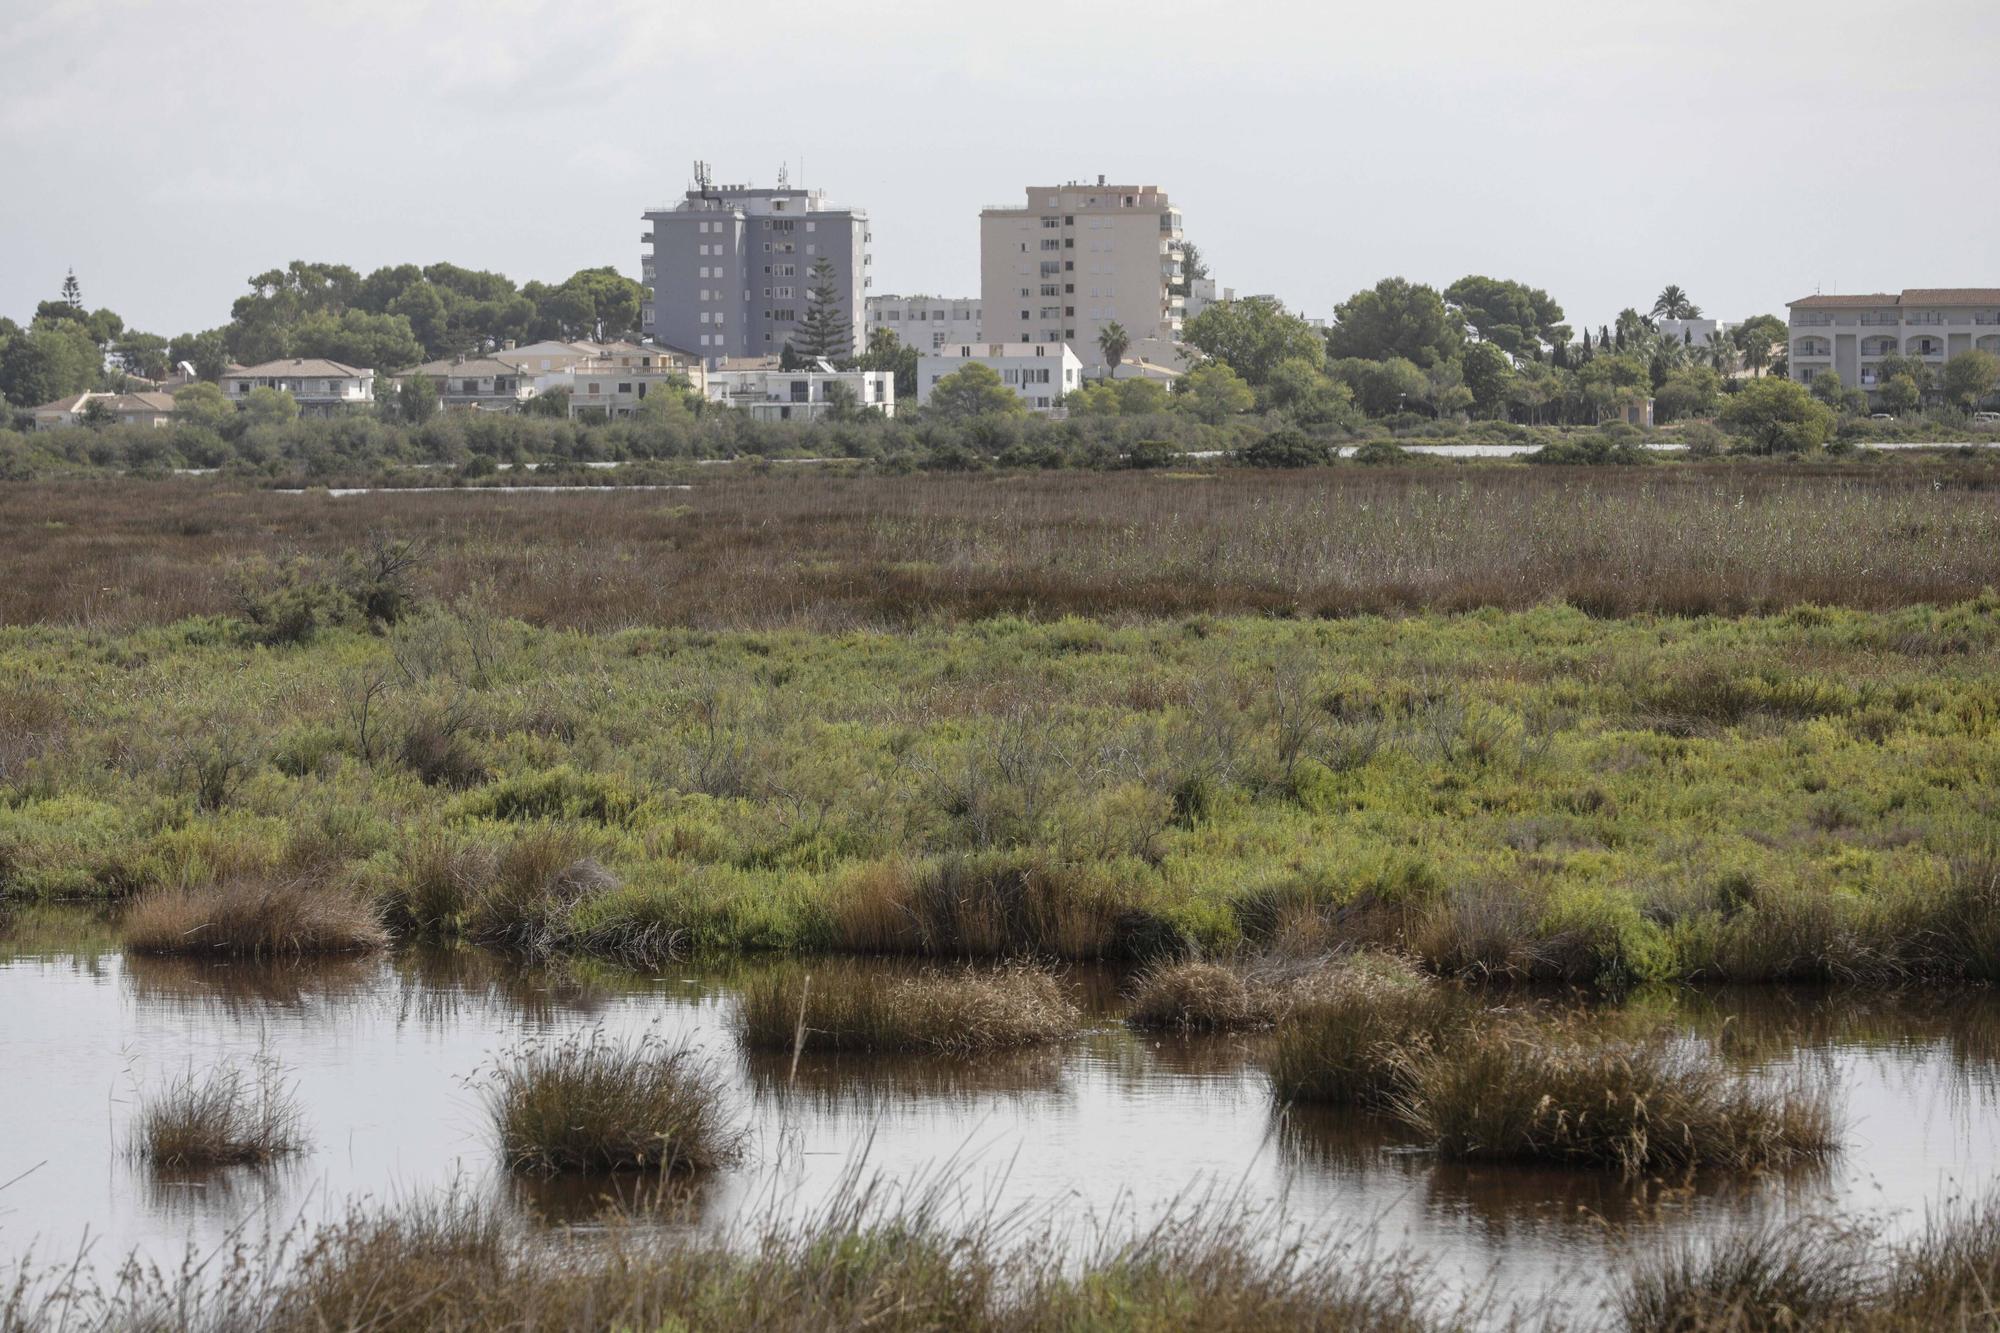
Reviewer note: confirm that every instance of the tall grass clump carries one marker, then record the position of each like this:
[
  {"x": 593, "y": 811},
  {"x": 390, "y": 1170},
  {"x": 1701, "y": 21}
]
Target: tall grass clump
[
  {"x": 584, "y": 1103},
  {"x": 1772, "y": 1277},
  {"x": 1558, "y": 1091},
  {"x": 953, "y": 1013},
  {"x": 538, "y": 881},
  {"x": 253, "y": 916},
  {"x": 230, "y": 1116},
  {"x": 1354, "y": 1041},
  {"x": 1207, "y": 995}
]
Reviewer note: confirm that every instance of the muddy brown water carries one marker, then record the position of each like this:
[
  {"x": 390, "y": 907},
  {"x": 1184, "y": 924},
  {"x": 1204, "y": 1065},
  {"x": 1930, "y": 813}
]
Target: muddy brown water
[{"x": 1107, "y": 1131}]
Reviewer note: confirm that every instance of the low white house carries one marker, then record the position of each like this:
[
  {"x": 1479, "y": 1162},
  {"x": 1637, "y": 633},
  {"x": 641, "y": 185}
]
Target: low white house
[
  {"x": 620, "y": 376},
  {"x": 1040, "y": 372},
  {"x": 127, "y": 409},
  {"x": 770, "y": 394},
  {"x": 322, "y": 388}
]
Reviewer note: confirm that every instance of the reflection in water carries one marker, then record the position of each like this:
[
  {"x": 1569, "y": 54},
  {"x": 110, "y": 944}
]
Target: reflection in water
[{"x": 383, "y": 1054}]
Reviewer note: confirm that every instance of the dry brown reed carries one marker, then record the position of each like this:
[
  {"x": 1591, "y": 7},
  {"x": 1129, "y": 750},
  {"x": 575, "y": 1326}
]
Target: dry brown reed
[
  {"x": 858, "y": 1009},
  {"x": 253, "y": 916}
]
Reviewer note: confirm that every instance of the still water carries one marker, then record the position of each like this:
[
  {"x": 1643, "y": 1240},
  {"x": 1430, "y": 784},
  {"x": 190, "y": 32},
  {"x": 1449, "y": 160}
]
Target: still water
[{"x": 1106, "y": 1131}]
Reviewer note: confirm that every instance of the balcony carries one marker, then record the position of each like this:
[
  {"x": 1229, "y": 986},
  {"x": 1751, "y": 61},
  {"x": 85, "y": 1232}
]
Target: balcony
[{"x": 645, "y": 238}]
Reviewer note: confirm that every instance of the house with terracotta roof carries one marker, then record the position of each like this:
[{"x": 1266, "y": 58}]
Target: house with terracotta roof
[
  {"x": 1851, "y": 334},
  {"x": 127, "y": 409},
  {"x": 496, "y": 383},
  {"x": 322, "y": 388}
]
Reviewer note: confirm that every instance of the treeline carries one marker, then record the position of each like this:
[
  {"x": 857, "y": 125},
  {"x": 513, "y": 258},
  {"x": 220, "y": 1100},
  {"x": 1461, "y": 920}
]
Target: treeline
[{"x": 391, "y": 319}]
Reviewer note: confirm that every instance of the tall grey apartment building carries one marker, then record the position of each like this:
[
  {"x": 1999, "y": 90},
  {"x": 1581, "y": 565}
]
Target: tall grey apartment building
[{"x": 730, "y": 266}]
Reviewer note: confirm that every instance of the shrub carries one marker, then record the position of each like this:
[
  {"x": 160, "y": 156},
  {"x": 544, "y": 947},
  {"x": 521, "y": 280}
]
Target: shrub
[
  {"x": 954, "y": 1013},
  {"x": 1376, "y": 453},
  {"x": 1287, "y": 446},
  {"x": 1769, "y": 1277},
  {"x": 253, "y": 916},
  {"x": 582, "y": 1103},
  {"x": 227, "y": 1117},
  {"x": 536, "y": 884}
]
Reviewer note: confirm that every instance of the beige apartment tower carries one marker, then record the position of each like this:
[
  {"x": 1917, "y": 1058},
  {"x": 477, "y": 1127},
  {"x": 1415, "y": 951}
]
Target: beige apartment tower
[{"x": 1077, "y": 257}]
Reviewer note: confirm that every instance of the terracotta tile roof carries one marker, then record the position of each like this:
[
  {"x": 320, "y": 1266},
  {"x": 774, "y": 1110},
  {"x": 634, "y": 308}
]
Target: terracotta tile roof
[
  {"x": 1908, "y": 296},
  {"x": 297, "y": 368}
]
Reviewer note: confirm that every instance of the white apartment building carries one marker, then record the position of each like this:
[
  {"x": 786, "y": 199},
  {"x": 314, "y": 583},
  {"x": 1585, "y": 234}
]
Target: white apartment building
[
  {"x": 1694, "y": 332},
  {"x": 925, "y": 322},
  {"x": 770, "y": 394},
  {"x": 1851, "y": 334},
  {"x": 1077, "y": 257},
  {"x": 1041, "y": 373},
  {"x": 322, "y": 388},
  {"x": 615, "y": 378},
  {"x": 1203, "y": 293}
]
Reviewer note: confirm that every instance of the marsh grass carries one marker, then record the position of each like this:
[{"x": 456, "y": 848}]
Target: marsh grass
[
  {"x": 1209, "y": 995},
  {"x": 948, "y": 1012},
  {"x": 229, "y": 1116},
  {"x": 519, "y": 898},
  {"x": 1567, "y": 1091},
  {"x": 584, "y": 1103},
  {"x": 1356, "y": 1040},
  {"x": 253, "y": 916},
  {"x": 867, "y": 1260}
]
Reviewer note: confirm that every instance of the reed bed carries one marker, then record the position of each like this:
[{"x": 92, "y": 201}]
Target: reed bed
[
  {"x": 949, "y": 1013},
  {"x": 1227, "y": 995},
  {"x": 583, "y": 1103},
  {"x": 228, "y": 1116},
  {"x": 1354, "y": 1042},
  {"x": 252, "y": 916},
  {"x": 805, "y": 547}
]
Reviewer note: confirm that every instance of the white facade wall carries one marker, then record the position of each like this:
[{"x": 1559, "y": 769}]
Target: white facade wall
[
  {"x": 1041, "y": 374},
  {"x": 799, "y": 395},
  {"x": 925, "y": 322},
  {"x": 1851, "y": 335}
]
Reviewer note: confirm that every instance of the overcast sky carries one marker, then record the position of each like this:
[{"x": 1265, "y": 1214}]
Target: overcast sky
[{"x": 1749, "y": 152}]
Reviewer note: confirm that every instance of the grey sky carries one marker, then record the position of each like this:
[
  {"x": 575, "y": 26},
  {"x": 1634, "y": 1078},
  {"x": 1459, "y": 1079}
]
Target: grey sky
[{"x": 1749, "y": 152}]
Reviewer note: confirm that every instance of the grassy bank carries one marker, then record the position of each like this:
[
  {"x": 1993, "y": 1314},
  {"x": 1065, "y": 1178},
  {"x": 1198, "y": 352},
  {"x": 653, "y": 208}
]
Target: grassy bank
[{"x": 1802, "y": 796}]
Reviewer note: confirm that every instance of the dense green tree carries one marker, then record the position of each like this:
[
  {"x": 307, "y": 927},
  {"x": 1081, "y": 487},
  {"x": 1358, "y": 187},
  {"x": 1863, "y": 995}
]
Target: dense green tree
[
  {"x": 143, "y": 354},
  {"x": 1093, "y": 398},
  {"x": 1970, "y": 376},
  {"x": 1520, "y": 319},
  {"x": 1384, "y": 388},
  {"x": 973, "y": 390},
  {"x": 207, "y": 352},
  {"x": 1901, "y": 394},
  {"x": 45, "y": 363},
  {"x": 1396, "y": 318},
  {"x": 1140, "y": 397},
  {"x": 270, "y": 407},
  {"x": 887, "y": 352},
  {"x": 1778, "y": 417},
  {"x": 1287, "y": 446},
  {"x": 827, "y": 329},
  {"x": 416, "y": 399},
  {"x": 1692, "y": 391},
  {"x": 1252, "y": 336},
  {"x": 1213, "y": 393},
  {"x": 357, "y": 338},
  {"x": 1755, "y": 337},
  {"x": 1303, "y": 391},
  {"x": 203, "y": 405},
  {"x": 1488, "y": 376}
]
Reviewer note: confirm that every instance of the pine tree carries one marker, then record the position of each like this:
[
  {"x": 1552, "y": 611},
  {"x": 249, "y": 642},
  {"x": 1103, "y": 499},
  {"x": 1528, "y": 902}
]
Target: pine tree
[
  {"x": 72, "y": 292},
  {"x": 825, "y": 331}
]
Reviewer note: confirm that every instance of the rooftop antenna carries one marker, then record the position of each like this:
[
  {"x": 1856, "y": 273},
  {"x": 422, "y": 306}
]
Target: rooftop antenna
[
  {"x": 784, "y": 177},
  {"x": 701, "y": 177}
]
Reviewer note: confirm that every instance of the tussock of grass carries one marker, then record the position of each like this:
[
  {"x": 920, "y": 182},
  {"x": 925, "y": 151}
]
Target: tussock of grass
[
  {"x": 229, "y": 1116},
  {"x": 583, "y": 1103},
  {"x": 519, "y": 898},
  {"x": 1201, "y": 995},
  {"x": 955, "y": 1013},
  {"x": 254, "y": 917},
  {"x": 1353, "y": 1043},
  {"x": 1563, "y": 1092}
]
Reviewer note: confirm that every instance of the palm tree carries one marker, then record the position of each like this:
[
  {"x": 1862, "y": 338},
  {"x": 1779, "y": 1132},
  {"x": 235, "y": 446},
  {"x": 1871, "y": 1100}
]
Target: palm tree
[
  {"x": 1722, "y": 354},
  {"x": 1674, "y": 304},
  {"x": 1112, "y": 340}
]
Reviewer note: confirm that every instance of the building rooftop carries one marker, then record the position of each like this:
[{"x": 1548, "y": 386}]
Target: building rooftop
[
  {"x": 116, "y": 402},
  {"x": 477, "y": 367},
  {"x": 305, "y": 367},
  {"x": 1908, "y": 296}
]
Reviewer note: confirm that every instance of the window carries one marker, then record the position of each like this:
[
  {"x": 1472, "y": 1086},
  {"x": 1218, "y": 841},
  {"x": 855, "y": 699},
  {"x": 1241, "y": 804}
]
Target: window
[
  {"x": 625, "y": 388},
  {"x": 812, "y": 226},
  {"x": 594, "y": 386},
  {"x": 1052, "y": 243},
  {"x": 1051, "y": 223},
  {"x": 801, "y": 391}
]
